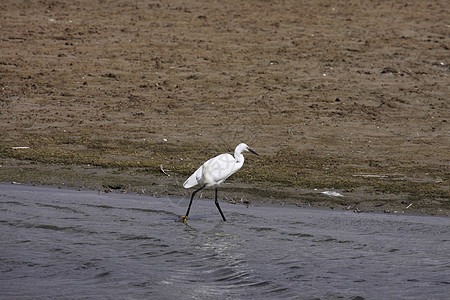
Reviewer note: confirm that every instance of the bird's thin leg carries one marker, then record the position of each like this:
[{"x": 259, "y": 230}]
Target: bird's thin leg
[
  {"x": 183, "y": 218},
  {"x": 218, "y": 207}
]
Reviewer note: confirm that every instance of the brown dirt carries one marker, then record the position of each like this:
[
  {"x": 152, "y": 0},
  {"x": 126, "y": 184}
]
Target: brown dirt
[{"x": 347, "y": 96}]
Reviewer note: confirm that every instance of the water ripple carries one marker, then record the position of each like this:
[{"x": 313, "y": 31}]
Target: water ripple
[{"x": 128, "y": 246}]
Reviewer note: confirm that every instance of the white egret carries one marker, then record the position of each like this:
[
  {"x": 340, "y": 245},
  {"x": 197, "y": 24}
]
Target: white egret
[{"x": 214, "y": 171}]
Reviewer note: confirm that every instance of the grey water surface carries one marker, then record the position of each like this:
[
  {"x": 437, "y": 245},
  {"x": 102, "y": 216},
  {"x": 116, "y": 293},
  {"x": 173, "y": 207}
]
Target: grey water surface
[{"x": 69, "y": 244}]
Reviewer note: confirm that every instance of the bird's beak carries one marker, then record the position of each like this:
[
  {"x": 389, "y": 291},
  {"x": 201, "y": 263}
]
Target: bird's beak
[{"x": 252, "y": 151}]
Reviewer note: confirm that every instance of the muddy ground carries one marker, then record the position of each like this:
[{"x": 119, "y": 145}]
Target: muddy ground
[{"x": 344, "y": 96}]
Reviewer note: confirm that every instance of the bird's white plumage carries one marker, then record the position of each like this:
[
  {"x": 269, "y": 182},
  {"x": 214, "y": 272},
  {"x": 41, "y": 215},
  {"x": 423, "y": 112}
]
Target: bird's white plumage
[
  {"x": 194, "y": 178},
  {"x": 215, "y": 170}
]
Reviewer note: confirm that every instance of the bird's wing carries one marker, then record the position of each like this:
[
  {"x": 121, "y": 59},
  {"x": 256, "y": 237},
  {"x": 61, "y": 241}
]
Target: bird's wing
[
  {"x": 194, "y": 179},
  {"x": 219, "y": 168}
]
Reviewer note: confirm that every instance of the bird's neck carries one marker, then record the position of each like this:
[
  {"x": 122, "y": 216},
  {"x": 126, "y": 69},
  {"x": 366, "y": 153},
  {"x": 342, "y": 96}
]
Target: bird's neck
[{"x": 238, "y": 157}]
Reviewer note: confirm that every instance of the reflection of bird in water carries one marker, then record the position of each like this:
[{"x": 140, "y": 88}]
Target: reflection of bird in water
[{"x": 214, "y": 171}]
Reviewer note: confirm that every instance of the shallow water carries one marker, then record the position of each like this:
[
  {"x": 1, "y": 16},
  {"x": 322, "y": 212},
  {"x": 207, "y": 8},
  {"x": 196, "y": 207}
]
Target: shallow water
[{"x": 68, "y": 244}]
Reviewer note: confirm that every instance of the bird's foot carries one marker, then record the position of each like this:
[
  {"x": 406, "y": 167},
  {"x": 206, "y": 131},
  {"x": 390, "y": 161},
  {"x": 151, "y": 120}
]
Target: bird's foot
[{"x": 183, "y": 219}]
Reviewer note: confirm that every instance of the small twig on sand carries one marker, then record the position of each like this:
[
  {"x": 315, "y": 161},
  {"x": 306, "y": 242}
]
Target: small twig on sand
[{"x": 162, "y": 170}]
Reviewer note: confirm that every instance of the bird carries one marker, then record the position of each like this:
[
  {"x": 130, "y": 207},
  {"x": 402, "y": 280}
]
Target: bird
[{"x": 214, "y": 172}]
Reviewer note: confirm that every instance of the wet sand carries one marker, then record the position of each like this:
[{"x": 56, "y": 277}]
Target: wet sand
[{"x": 347, "y": 97}]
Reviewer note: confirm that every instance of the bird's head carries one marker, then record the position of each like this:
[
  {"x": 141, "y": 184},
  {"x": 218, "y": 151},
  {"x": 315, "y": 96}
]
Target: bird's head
[{"x": 243, "y": 147}]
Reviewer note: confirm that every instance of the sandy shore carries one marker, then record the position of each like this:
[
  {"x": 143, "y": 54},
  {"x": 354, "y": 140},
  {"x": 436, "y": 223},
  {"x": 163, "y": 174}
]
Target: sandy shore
[{"x": 347, "y": 97}]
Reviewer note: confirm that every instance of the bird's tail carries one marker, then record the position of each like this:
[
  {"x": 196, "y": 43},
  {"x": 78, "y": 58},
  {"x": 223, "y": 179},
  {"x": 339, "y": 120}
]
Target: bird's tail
[{"x": 193, "y": 179}]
